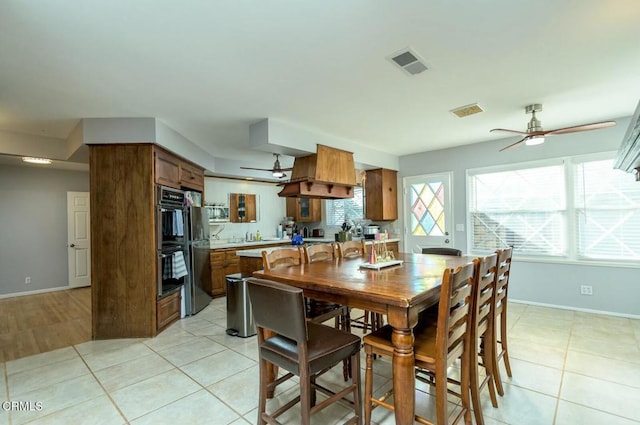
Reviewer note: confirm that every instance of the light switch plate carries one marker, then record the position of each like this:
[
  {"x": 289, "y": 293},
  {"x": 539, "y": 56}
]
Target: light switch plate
[{"x": 459, "y": 227}]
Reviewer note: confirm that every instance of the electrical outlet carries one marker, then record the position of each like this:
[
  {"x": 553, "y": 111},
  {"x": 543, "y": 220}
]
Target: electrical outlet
[
  {"x": 586, "y": 290},
  {"x": 27, "y": 280}
]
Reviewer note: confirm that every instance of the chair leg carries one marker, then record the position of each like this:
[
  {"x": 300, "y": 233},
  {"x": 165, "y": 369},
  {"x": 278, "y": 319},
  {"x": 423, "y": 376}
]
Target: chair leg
[
  {"x": 357, "y": 392},
  {"x": 368, "y": 385},
  {"x": 262, "y": 398},
  {"x": 305, "y": 397},
  {"x": 487, "y": 360},
  {"x": 465, "y": 385},
  {"x": 474, "y": 382},
  {"x": 441, "y": 396},
  {"x": 503, "y": 342}
]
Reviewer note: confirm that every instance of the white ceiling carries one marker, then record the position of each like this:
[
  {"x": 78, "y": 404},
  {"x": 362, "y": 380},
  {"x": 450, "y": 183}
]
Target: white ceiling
[{"x": 210, "y": 69}]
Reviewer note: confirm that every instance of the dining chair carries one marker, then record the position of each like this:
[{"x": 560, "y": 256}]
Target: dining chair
[
  {"x": 350, "y": 249},
  {"x": 302, "y": 348},
  {"x": 501, "y": 349},
  {"x": 481, "y": 348},
  {"x": 321, "y": 311},
  {"x": 436, "y": 348},
  {"x": 369, "y": 321},
  {"x": 442, "y": 251},
  {"x": 281, "y": 258},
  {"x": 481, "y": 353}
]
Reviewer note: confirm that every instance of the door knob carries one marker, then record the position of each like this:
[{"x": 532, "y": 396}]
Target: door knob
[
  {"x": 72, "y": 245},
  {"x": 446, "y": 241}
]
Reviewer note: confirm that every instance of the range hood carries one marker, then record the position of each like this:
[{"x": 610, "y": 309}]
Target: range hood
[{"x": 327, "y": 174}]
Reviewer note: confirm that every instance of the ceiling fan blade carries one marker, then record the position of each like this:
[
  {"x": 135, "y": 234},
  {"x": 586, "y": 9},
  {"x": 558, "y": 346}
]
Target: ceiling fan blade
[
  {"x": 286, "y": 169},
  {"x": 508, "y": 131},
  {"x": 258, "y": 169},
  {"x": 513, "y": 145},
  {"x": 583, "y": 127}
]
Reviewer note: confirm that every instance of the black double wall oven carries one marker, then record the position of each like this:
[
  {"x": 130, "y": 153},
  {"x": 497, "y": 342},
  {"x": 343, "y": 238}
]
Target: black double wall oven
[
  {"x": 182, "y": 248},
  {"x": 172, "y": 255}
]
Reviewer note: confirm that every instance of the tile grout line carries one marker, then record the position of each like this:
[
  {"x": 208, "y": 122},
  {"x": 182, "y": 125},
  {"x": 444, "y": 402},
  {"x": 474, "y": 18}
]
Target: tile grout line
[
  {"x": 197, "y": 383},
  {"x": 107, "y": 393}
]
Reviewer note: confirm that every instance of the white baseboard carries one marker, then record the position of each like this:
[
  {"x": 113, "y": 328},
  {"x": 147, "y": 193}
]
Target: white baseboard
[
  {"x": 37, "y": 291},
  {"x": 585, "y": 310}
]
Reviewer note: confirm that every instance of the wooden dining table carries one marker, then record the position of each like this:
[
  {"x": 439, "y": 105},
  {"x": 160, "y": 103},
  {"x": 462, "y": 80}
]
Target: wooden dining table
[{"x": 400, "y": 292}]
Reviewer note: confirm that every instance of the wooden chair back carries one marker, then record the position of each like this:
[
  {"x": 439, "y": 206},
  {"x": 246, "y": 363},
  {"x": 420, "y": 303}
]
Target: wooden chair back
[
  {"x": 281, "y": 258},
  {"x": 454, "y": 314},
  {"x": 268, "y": 296},
  {"x": 485, "y": 272},
  {"x": 351, "y": 249},
  {"x": 319, "y": 252},
  {"x": 502, "y": 277}
]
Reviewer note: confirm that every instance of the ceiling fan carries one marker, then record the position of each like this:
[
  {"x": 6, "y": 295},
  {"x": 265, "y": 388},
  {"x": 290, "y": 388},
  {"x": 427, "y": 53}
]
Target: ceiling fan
[
  {"x": 535, "y": 135},
  {"x": 277, "y": 171}
]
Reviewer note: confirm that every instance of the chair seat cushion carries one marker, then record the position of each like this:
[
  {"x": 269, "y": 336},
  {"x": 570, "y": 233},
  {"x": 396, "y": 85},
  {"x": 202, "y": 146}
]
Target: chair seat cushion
[
  {"x": 327, "y": 346},
  {"x": 424, "y": 343}
]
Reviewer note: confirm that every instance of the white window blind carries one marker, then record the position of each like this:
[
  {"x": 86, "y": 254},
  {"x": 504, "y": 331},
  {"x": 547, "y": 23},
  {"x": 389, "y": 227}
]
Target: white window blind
[
  {"x": 339, "y": 210},
  {"x": 607, "y": 212},
  {"x": 525, "y": 208}
]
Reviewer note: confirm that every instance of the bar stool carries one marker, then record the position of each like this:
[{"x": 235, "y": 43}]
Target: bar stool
[
  {"x": 304, "y": 349},
  {"x": 436, "y": 348},
  {"x": 501, "y": 350}
]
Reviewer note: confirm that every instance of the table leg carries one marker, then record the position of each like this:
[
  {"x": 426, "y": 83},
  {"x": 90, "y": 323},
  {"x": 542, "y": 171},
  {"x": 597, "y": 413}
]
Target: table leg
[{"x": 404, "y": 378}]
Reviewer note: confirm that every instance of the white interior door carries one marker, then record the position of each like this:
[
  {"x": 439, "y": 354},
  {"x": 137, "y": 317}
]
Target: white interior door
[
  {"x": 78, "y": 237},
  {"x": 428, "y": 214}
]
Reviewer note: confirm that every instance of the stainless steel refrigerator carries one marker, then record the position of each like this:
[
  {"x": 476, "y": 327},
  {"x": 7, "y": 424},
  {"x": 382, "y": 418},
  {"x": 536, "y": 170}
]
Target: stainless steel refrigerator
[{"x": 197, "y": 223}]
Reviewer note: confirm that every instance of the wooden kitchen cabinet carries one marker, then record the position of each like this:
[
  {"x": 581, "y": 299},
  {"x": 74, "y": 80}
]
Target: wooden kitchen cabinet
[
  {"x": 237, "y": 201},
  {"x": 173, "y": 171},
  {"x": 381, "y": 195},
  {"x": 168, "y": 310},
  {"x": 304, "y": 210},
  {"x": 191, "y": 176},
  {"x": 167, "y": 168},
  {"x": 124, "y": 262},
  {"x": 218, "y": 284}
]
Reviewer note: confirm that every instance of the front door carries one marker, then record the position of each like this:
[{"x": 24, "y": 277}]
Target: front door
[
  {"x": 428, "y": 214},
  {"x": 78, "y": 238}
]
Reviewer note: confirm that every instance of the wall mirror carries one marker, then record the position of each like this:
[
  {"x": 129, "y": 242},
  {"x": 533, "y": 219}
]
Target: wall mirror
[{"x": 243, "y": 208}]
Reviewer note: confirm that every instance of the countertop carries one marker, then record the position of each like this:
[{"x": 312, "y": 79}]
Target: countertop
[
  {"x": 218, "y": 244},
  {"x": 257, "y": 253}
]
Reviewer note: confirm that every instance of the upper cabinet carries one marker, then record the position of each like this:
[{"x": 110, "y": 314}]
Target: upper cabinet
[
  {"x": 381, "y": 195},
  {"x": 175, "y": 172},
  {"x": 191, "y": 176},
  {"x": 242, "y": 208},
  {"x": 304, "y": 210}
]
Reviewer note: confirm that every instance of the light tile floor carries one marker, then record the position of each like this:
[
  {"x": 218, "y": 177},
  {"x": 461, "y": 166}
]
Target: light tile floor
[{"x": 568, "y": 368}]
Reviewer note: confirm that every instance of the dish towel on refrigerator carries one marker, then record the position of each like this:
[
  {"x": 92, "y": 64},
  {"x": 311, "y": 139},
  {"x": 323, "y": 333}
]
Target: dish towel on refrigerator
[
  {"x": 179, "y": 266},
  {"x": 178, "y": 228}
]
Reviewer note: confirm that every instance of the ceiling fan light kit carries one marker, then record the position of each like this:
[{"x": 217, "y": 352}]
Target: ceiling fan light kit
[
  {"x": 277, "y": 171},
  {"x": 535, "y": 135},
  {"x": 534, "y": 140}
]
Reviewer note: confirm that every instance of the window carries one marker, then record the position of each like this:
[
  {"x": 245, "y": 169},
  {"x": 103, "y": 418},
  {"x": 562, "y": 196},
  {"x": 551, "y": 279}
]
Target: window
[
  {"x": 607, "y": 212},
  {"x": 340, "y": 210},
  {"x": 577, "y": 208}
]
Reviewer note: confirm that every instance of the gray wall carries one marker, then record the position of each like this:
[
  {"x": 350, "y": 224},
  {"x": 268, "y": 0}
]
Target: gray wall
[
  {"x": 615, "y": 289},
  {"x": 33, "y": 226}
]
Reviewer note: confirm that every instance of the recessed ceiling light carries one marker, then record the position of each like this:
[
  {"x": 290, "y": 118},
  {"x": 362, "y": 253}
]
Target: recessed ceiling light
[{"x": 33, "y": 160}]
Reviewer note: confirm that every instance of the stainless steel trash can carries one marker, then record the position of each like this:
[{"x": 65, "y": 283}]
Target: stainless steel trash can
[{"x": 239, "y": 314}]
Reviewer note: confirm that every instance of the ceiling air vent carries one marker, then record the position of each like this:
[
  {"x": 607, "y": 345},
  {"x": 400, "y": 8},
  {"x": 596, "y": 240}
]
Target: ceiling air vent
[
  {"x": 465, "y": 111},
  {"x": 408, "y": 61}
]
